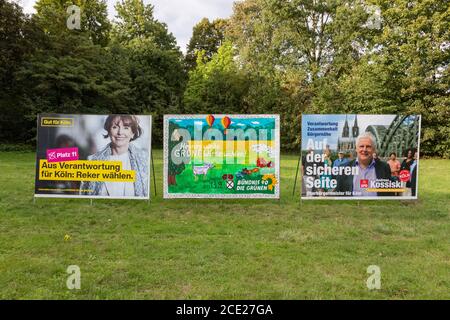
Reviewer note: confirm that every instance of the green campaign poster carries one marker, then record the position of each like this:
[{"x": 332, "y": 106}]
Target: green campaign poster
[{"x": 221, "y": 156}]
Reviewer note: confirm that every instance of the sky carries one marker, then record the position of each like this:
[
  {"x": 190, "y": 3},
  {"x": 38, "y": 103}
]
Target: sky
[
  {"x": 363, "y": 122},
  {"x": 179, "y": 15},
  {"x": 242, "y": 122}
]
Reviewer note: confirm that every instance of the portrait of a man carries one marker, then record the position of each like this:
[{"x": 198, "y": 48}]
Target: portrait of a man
[{"x": 369, "y": 168}]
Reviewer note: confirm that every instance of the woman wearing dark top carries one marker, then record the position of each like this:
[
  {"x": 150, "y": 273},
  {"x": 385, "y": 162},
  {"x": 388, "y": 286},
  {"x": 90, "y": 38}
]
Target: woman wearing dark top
[{"x": 406, "y": 164}]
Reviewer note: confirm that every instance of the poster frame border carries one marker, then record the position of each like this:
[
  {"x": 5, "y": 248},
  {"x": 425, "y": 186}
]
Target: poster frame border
[
  {"x": 38, "y": 195},
  {"x": 168, "y": 195},
  {"x": 416, "y": 197}
]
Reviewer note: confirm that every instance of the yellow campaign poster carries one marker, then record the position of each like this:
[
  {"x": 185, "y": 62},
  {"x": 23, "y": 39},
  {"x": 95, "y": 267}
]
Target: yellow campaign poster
[
  {"x": 93, "y": 156},
  {"x": 83, "y": 170}
]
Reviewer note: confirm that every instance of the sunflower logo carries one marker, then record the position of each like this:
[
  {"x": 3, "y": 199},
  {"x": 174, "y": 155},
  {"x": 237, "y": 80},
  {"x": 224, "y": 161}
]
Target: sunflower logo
[{"x": 273, "y": 180}]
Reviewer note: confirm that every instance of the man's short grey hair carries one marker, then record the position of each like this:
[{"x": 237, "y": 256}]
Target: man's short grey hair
[{"x": 367, "y": 135}]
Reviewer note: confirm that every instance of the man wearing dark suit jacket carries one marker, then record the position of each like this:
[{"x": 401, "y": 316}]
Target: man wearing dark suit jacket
[{"x": 369, "y": 169}]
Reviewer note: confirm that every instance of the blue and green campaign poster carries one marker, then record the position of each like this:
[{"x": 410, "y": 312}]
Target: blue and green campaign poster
[{"x": 355, "y": 156}]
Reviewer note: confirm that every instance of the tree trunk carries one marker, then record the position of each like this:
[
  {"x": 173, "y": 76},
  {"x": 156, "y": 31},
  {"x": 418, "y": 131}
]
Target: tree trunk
[{"x": 172, "y": 180}]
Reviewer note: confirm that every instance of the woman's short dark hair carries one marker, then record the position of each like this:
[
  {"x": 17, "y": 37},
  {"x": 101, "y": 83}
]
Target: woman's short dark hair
[
  {"x": 128, "y": 120},
  {"x": 393, "y": 153}
]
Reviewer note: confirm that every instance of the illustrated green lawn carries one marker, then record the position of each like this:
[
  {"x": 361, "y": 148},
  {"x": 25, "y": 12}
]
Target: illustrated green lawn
[
  {"x": 223, "y": 249},
  {"x": 213, "y": 183}
]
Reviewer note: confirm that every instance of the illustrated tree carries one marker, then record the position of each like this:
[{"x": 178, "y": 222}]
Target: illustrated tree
[{"x": 174, "y": 169}]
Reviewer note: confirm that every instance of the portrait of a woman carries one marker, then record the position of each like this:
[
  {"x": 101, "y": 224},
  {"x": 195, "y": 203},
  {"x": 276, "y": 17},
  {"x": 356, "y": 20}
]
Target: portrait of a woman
[{"x": 122, "y": 130}]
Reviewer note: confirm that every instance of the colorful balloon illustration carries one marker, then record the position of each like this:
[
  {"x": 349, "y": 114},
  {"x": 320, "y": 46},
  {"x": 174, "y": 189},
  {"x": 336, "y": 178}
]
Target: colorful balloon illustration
[
  {"x": 226, "y": 122},
  {"x": 210, "y": 120}
]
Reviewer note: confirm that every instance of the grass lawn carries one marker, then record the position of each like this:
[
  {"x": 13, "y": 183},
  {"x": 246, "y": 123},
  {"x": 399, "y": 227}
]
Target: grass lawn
[{"x": 223, "y": 249}]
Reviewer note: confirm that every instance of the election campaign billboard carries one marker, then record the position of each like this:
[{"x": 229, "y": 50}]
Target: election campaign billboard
[
  {"x": 360, "y": 156},
  {"x": 221, "y": 156},
  {"x": 93, "y": 156}
]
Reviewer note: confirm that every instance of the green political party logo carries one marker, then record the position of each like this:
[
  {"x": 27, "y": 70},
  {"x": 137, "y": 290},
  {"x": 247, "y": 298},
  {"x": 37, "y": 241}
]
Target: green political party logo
[{"x": 221, "y": 156}]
